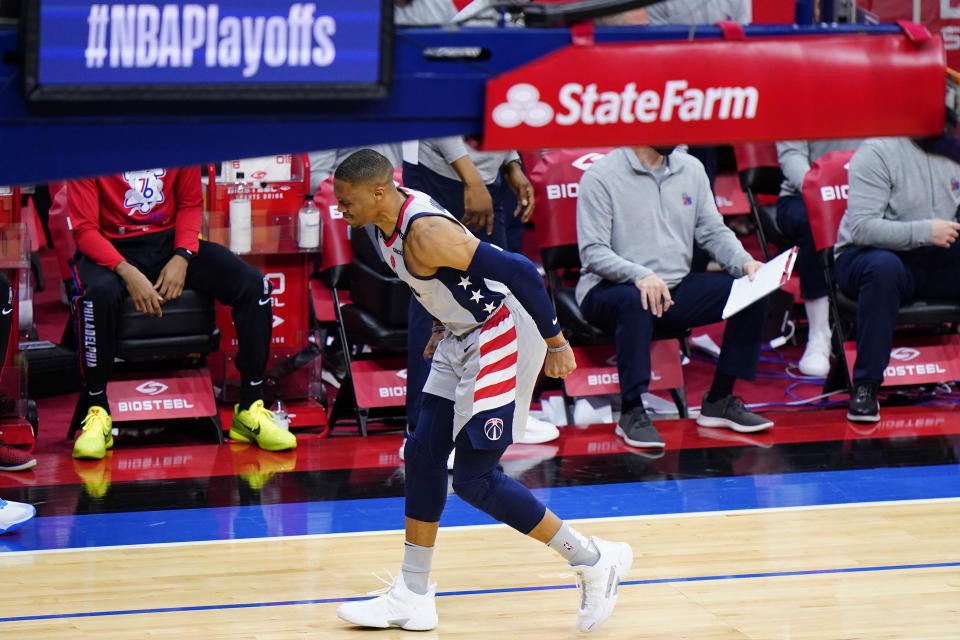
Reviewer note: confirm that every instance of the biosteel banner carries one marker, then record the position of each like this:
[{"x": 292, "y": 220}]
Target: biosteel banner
[
  {"x": 922, "y": 361},
  {"x": 183, "y": 394},
  {"x": 596, "y": 372},
  {"x": 703, "y": 92},
  {"x": 380, "y": 383}
]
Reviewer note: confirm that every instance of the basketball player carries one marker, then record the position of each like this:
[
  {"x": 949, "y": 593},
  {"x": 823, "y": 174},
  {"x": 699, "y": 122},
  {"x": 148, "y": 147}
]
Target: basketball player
[{"x": 493, "y": 324}]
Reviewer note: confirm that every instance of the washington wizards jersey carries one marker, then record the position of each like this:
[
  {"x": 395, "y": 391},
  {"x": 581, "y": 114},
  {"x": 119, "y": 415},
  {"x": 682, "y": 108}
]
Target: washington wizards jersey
[{"x": 460, "y": 300}]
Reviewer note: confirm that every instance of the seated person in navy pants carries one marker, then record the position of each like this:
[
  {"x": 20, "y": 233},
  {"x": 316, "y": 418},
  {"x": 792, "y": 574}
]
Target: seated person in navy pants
[
  {"x": 639, "y": 214},
  {"x": 795, "y": 159},
  {"x": 137, "y": 235},
  {"x": 897, "y": 241}
]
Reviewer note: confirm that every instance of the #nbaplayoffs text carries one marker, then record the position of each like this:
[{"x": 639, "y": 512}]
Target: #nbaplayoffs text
[{"x": 146, "y": 36}]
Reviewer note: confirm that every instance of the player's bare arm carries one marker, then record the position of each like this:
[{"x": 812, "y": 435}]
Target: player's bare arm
[{"x": 434, "y": 242}]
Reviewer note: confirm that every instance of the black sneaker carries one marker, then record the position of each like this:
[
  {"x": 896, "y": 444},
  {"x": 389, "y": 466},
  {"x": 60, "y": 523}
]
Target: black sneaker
[
  {"x": 637, "y": 430},
  {"x": 729, "y": 412},
  {"x": 864, "y": 406}
]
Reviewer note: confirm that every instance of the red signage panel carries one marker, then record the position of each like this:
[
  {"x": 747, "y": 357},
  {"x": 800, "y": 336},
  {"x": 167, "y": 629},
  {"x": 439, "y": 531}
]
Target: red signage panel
[
  {"x": 756, "y": 89},
  {"x": 380, "y": 383},
  {"x": 288, "y": 276},
  {"x": 925, "y": 360},
  {"x": 939, "y": 16},
  {"x": 596, "y": 372},
  {"x": 556, "y": 184},
  {"x": 180, "y": 394},
  {"x": 825, "y": 192}
]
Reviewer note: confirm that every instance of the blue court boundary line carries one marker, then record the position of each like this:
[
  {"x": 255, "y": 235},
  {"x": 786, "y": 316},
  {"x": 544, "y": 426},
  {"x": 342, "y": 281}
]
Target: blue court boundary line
[
  {"x": 286, "y": 603},
  {"x": 655, "y": 497}
]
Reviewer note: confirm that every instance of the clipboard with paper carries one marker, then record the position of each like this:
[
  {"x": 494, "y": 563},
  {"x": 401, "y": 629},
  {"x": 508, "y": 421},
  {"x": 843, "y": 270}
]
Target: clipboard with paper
[{"x": 770, "y": 277}]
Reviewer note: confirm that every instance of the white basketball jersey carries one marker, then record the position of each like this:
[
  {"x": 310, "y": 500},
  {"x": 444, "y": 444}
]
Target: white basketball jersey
[{"x": 461, "y": 301}]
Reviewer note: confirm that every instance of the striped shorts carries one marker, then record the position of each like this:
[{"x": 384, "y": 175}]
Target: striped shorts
[{"x": 489, "y": 374}]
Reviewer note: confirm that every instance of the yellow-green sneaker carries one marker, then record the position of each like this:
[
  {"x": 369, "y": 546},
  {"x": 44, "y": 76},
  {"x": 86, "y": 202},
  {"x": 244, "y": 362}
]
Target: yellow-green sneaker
[
  {"x": 96, "y": 437},
  {"x": 259, "y": 425}
]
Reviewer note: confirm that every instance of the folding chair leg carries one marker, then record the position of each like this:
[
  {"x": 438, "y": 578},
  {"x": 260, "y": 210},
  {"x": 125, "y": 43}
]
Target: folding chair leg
[
  {"x": 761, "y": 235},
  {"x": 679, "y": 396},
  {"x": 217, "y": 426},
  {"x": 362, "y": 416}
]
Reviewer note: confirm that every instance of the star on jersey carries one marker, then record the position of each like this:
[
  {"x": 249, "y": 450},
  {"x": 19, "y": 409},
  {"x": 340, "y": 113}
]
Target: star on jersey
[
  {"x": 489, "y": 308},
  {"x": 464, "y": 282},
  {"x": 476, "y": 297}
]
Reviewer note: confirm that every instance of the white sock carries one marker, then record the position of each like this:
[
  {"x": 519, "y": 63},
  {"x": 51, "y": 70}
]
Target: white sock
[
  {"x": 416, "y": 567},
  {"x": 818, "y": 316},
  {"x": 574, "y": 548}
]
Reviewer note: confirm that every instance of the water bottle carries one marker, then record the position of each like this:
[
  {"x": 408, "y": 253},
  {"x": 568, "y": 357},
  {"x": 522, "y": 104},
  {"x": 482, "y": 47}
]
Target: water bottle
[
  {"x": 279, "y": 410},
  {"x": 308, "y": 224},
  {"x": 241, "y": 223}
]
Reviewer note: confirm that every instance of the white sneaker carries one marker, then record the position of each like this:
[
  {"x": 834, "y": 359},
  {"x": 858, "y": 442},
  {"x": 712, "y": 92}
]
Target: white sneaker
[
  {"x": 14, "y": 514},
  {"x": 538, "y": 431},
  {"x": 816, "y": 356},
  {"x": 598, "y": 584},
  {"x": 397, "y": 607}
]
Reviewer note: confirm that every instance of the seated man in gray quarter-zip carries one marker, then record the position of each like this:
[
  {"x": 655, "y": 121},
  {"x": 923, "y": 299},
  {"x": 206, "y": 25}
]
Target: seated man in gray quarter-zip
[
  {"x": 639, "y": 214},
  {"x": 896, "y": 241}
]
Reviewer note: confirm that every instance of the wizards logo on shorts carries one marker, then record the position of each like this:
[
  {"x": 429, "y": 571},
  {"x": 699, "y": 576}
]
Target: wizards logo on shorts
[
  {"x": 493, "y": 429},
  {"x": 954, "y": 185},
  {"x": 687, "y": 200}
]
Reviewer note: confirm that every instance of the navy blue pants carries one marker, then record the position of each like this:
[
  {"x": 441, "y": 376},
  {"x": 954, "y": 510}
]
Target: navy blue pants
[
  {"x": 449, "y": 193},
  {"x": 477, "y": 476},
  {"x": 698, "y": 300},
  {"x": 795, "y": 225},
  {"x": 880, "y": 281}
]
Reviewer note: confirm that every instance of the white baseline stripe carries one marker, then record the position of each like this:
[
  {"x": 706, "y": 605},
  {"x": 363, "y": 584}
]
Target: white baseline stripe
[{"x": 471, "y": 527}]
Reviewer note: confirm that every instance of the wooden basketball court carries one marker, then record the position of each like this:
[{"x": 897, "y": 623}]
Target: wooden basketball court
[{"x": 857, "y": 571}]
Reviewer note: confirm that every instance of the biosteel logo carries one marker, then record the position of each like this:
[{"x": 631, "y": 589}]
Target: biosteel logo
[{"x": 592, "y": 105}]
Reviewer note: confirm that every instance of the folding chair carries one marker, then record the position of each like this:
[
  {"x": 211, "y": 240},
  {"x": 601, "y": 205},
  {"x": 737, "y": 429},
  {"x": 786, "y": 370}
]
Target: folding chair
[
  {"x": 825, "y": 195},
  {"x": 760, "y": 178},
  {"x": 372, "y": 313}
]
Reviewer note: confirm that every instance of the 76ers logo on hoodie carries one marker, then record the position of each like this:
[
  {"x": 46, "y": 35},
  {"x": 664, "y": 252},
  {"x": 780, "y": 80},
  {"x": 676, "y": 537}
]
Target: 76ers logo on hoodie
[{"x": 146, "y": 190}]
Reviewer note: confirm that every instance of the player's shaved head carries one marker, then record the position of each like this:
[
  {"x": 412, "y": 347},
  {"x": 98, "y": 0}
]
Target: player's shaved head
[{"x": 365, "y": 165}]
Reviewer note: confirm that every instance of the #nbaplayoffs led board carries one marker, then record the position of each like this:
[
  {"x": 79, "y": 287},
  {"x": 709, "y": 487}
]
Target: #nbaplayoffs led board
[{"x": 227, "y": 50}]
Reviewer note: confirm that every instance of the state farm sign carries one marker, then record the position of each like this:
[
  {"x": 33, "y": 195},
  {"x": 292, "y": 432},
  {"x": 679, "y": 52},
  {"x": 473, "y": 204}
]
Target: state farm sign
[
  {"x": 586, "y": 105},
  {"x": 755, "y": 89}
]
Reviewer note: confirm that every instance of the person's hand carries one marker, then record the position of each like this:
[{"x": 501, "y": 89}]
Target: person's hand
[
  {"x": 944, "y": 232},
  {"x": 521, "y": 188},
  {"x": 145, "y": 298},
  {"x": 750, "y": 268},
  {"x": 654, "y": 294},
  {"x": 477, "y": 207},
  {"x": 170, "y": 283},
  {"x": 432, "y": 343},
  {"x": 559, "y": 364}
]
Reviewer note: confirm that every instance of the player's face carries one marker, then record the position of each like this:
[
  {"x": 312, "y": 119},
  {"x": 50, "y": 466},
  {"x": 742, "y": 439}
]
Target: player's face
[{"x": 357, "y": 202}]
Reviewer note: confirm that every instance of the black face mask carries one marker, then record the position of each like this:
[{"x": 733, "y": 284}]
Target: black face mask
[{"x": 665, "y": 150}]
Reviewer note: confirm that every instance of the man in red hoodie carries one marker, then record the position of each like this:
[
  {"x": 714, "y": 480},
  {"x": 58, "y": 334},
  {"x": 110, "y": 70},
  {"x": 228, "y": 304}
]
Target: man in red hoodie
[{"x": 138, "y": 235}]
